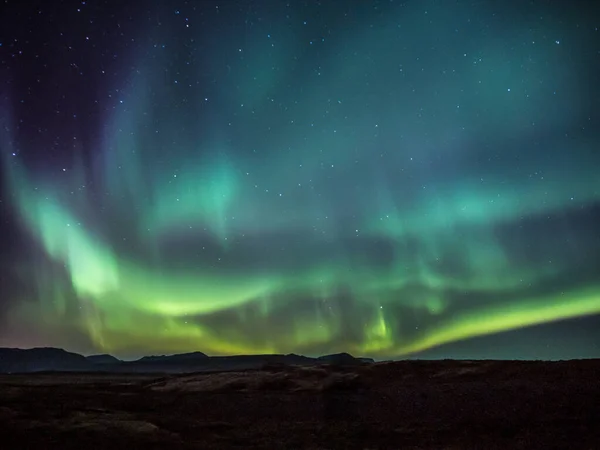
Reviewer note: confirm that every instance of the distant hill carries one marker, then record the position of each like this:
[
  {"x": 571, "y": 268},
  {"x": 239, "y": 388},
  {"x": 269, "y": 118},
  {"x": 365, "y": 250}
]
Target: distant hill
[
  {"x": 58, "y": 360},
  {"x": 103, "y": 359},
  {"x": 42, "y": 359},
  {"x": 178, "y": 358},
  {"x": 339, "y": 359},
  {"x": 366, "y": 360}
]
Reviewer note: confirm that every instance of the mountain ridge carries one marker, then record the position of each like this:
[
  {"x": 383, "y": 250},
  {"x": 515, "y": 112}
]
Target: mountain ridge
[{"x": 50, "y": 359}]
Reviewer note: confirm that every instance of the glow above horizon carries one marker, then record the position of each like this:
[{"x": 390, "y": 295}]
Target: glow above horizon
[{"x": 385, "y": 201}]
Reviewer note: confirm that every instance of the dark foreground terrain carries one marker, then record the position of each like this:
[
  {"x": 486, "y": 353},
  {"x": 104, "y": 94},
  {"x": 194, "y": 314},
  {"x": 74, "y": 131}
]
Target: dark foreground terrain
[{"x": 408, "y": 405}]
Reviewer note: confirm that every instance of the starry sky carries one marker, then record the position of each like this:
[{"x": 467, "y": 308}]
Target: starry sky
[{"x": 386, "y": 178}]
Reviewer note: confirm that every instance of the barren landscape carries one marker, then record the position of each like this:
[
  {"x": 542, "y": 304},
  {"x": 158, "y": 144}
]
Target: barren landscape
[{"x": 408, "y": 405}]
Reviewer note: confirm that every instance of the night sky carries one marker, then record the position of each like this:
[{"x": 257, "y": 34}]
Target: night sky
[{"x": 386, "y": 178}]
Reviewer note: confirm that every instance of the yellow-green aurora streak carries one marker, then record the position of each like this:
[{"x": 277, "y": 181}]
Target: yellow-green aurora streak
[{"x": 131, "y": 305}]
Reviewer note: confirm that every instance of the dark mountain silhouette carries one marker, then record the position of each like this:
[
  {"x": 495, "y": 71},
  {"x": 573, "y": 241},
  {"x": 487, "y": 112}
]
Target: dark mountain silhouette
[
  {"x": 58, "y": 360},
  {"x": 178, "y": 358},
  {"x": 42, "y": 359},
  {"x": 103, "y": 359},
  {"x": 189, "y": 362},
  {"x": 366, "y": 360},
  {"x": 339, "y": 359}
]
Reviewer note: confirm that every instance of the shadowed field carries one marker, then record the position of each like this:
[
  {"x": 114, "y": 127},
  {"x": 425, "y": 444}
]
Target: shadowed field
[{"x": 411, "y": 404}]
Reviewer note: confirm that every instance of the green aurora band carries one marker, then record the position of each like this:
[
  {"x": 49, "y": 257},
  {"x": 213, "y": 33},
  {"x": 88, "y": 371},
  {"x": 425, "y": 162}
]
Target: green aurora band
[{"x": 236, "y": 238}]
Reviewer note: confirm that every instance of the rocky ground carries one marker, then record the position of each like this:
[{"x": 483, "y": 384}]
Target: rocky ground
[{"x": 404, "y": 405}]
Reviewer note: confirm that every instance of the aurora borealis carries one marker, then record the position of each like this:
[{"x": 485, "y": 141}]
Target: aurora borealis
[{"x": 374, "y": 177}]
